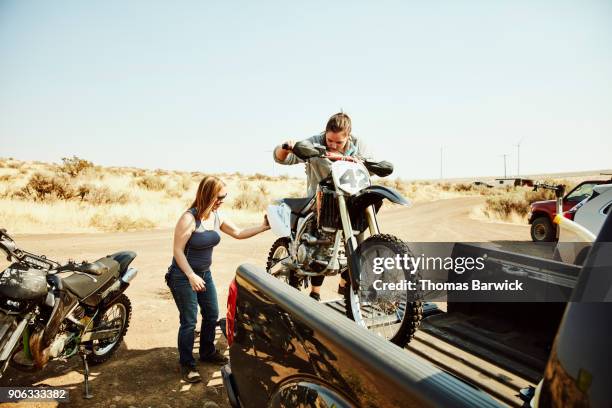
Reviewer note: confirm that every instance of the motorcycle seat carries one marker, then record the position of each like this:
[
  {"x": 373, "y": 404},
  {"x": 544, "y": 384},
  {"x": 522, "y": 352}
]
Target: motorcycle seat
[
  {"x": 124, "y": 258},
  {"x": 298, "y": 205},
  {"x": 83, "y": 285}
]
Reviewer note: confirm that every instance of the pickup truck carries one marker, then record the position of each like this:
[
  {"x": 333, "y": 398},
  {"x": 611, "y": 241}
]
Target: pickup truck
[
  {"x": 288, "y": 350},
  {"x": 542, "y": 213}
]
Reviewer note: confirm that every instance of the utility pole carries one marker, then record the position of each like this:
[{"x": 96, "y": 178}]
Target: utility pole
[
  {"x": 518, "y": 158},
  {"x": 504, "y": 155}
]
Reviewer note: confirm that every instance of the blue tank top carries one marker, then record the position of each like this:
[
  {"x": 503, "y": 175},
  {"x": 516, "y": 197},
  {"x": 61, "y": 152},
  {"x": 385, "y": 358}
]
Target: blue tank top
[{"x": 199, "y": 247}]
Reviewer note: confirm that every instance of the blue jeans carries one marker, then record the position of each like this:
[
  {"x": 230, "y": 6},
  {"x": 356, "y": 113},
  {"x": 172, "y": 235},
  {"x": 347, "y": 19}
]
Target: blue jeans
[{"x": 187, "y": 301}]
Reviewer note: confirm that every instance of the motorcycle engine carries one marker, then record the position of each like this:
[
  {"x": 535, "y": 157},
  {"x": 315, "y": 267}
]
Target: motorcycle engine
[{"x": 315, "y": 249}]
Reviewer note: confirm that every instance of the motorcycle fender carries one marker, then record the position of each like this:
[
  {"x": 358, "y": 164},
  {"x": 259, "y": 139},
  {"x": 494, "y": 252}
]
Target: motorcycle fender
[
  {"x": 279, "y": 217},
  {"x": 375, "y": 194}
]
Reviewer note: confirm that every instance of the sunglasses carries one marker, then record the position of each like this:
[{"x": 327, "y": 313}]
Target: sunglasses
[{"x": 220, "y": 199}]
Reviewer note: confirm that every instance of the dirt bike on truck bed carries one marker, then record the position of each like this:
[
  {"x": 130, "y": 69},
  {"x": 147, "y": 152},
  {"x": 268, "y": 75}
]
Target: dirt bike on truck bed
[{"x": 323, "y": 235}]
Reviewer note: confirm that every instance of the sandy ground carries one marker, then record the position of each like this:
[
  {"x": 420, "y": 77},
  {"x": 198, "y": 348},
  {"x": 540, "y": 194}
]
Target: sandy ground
[{"x": 144, "y": 372}]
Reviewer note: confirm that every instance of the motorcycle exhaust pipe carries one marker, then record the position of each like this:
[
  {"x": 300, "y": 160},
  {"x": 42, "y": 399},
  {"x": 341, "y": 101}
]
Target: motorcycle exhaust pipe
[
  {"x": 117, "y": 288},
  {"x": 129, "y": 275},
  {"x": 122, "y": 283}
]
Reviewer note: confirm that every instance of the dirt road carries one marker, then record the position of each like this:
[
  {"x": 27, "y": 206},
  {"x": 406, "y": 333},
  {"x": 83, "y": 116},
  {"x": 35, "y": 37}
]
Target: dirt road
[{"x": 144, "y": 372}]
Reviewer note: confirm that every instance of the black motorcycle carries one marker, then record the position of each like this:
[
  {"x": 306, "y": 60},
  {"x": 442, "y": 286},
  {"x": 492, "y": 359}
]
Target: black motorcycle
[{"x": 52, "y": 311}]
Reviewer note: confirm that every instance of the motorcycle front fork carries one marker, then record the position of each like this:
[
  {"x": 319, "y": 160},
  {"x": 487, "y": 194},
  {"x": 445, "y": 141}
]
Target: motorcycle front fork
[{"x": 350, "y": 240}]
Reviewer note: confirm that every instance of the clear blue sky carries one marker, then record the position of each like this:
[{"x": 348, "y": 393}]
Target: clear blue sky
[{"x": 213, "y": 87}]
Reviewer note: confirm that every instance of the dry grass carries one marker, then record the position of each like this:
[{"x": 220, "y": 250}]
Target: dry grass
[
  {"x": 426, "y": 191},
  {"x": 78, "y": 196},
  {"x": 513, "y": 202}
]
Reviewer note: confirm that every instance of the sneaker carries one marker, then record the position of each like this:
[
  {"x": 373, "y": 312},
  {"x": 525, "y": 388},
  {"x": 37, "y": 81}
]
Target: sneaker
[
  {"x": 315, "y": 296},
  {"x": 190, "y": 375},
  {"x": 216, "y": 358}
]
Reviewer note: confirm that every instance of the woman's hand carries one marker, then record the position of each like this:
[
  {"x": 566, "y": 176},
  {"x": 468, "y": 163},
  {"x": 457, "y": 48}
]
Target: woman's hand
[{"x": 197, "y": 283}]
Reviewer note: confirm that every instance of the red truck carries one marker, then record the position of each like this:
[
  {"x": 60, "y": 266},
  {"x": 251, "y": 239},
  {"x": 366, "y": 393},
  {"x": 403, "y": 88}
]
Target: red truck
[{"x": 542, "y": 213}]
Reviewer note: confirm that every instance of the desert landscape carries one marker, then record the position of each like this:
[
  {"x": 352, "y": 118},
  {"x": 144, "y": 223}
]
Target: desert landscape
[
  {"x": 77, "y": 210},
  {"x": 77, "y": 196}
]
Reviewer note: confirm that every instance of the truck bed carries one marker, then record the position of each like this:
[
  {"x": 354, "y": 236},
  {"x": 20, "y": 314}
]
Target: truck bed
[{"x": 492, "y": 355}]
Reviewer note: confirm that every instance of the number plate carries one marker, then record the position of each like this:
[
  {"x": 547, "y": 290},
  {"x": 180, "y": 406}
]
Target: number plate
[{"x": 350, "y": 177}]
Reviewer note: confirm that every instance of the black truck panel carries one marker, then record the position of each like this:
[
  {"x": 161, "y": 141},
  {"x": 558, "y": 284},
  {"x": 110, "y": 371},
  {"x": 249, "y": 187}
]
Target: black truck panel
[{"x": 290, "y": 350}]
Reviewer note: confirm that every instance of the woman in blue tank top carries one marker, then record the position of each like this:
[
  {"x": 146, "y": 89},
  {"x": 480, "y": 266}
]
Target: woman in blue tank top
[{"x": 196, "y": 234}]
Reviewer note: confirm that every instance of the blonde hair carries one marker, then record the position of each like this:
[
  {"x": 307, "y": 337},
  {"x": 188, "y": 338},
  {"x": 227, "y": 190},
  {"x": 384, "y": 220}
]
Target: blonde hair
[{"x": 206, "y": 197}]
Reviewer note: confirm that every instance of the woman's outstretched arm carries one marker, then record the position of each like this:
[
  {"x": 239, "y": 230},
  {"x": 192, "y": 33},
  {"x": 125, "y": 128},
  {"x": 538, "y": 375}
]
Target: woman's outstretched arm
[{"x": 242, "y": 233}]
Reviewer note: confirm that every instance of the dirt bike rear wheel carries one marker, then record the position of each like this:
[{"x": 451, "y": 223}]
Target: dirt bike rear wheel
[
  {"x": 116, "y": 315},
  {"x": 407, "y": 310}
]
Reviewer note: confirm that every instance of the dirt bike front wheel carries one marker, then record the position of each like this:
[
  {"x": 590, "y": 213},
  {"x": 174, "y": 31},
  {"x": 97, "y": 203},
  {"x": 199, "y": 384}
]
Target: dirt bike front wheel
[{"x": 392, "y": 314}]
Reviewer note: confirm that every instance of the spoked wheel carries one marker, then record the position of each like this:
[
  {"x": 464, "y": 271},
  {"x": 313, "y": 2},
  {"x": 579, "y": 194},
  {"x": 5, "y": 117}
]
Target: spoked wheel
[
  {"x": 115, "y": 317},
  {"x": 279, "y": 253},
  {"x": 393, "y": 314}
]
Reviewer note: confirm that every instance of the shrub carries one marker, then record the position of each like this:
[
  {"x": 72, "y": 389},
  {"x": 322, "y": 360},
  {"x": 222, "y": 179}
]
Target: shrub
[
  {"x": 259, "y": 176},
  {"x": 444, "y": 186},
  {"x": 176, "y": 192},
  {"x": 463, "y": 187},
  {"x": 74, "y": 165},
  {"x": 262, "y": 189},
  {"x": 110, "y": 223},
  {"x": 151, "y": 183},
  {"x": 504, "y": 206},
  {"x": 248, "y": 199},
  {"x": 42, "y": 186},
  {"x": 103, "y": 195},
  {"x": 244, "y": 186},
  {"x": 185, "y": 182}
]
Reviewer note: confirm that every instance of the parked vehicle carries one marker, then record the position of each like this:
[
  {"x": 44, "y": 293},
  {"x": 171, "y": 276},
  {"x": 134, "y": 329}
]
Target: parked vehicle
[
  {"x": 53, "y": 311},
  {"x": 577, "y": 236},
  {"x": 542, "y": 213},
  {"x": 322, "y": 236},
  {"x": 287, "y": 350},
  {"x": 592, "y": 212}
]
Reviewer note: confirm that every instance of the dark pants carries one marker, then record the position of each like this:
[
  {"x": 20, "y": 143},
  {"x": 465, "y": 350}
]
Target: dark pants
[
  {"x": 187, "y": 301},
  {"x": 318, "y": 280}
]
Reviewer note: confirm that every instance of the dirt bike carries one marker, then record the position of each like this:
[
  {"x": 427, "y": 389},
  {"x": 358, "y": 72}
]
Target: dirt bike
[
  {"x": 323, "y": 235},
  {"x": 59, "y": 311}
]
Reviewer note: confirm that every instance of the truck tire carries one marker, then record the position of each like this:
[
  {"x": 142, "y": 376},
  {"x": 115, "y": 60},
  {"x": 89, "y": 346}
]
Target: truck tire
[
  {"x": 278, "y": 251},
  {"x": 413, "y": 311},
  {"x": 542, "y": 230}
]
